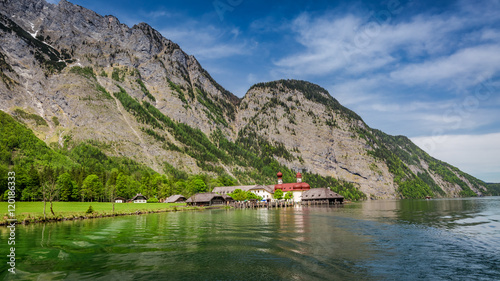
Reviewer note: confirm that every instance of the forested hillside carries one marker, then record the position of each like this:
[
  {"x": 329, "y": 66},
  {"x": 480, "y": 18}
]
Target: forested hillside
[{"x": 74, "y": 168}]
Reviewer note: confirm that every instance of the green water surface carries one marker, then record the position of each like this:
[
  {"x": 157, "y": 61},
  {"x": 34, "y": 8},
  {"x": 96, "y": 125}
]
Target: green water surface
[{"x": 445, "y": 239}]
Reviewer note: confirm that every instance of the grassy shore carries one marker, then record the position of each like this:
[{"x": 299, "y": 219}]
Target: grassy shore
[{"x": 30, "y": 212}]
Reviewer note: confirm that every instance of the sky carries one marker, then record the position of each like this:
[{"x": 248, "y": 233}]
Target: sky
[{"x": 429, "y": 70}]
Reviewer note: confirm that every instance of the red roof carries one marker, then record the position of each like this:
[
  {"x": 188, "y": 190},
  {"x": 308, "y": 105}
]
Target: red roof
[
  {"x": 279, "y": 175},
  {"x": 299, "y": 175},
  {"x": 292, "y": 186}
]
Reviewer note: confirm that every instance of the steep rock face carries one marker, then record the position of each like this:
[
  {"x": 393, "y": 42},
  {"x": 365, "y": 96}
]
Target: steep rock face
[
  {"x": 314, "y": 127},
  {"x": 44, "y": 47},
  {"x": 322, "y": 136}
]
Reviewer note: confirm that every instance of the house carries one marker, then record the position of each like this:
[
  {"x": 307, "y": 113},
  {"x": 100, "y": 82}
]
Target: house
[
  {"x": 297, "y": 188},
  {"x": 321, "y": 196},
  {"x": 120, "y": 200},
  {"x": 265, "y": 191},
  {"x": 175, "y": 199},
  {"x": 207, "y": 199},
  {"x": 139, "y": 198}
]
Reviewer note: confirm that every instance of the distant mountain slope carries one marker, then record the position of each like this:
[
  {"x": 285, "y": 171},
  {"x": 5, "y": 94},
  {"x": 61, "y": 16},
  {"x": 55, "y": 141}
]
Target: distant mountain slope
[
  {"x": 75, "y": 77},
  {"x": 315, "y": 133}
]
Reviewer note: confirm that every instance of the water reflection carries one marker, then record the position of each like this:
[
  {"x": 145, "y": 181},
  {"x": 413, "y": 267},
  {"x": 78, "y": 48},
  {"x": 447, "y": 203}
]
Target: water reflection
[{"x": 375, "y": 240}]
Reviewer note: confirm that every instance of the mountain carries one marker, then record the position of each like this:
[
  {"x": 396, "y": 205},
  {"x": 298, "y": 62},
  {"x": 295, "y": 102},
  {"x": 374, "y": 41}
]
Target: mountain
[
  {"x": 327, "y": 138},
  {"x": 78, "y": 78}
]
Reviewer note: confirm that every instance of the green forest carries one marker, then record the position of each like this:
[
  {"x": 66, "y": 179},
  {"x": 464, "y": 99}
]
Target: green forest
[{"x": 82, "y": 172}]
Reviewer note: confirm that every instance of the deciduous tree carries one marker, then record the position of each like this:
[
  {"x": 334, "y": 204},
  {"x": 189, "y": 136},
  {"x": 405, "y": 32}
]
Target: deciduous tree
[
  {"x": 278, "y": 194},
  {"x": 92, "y": 187}
]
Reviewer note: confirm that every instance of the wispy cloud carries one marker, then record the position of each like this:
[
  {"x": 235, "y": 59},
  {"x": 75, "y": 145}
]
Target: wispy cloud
[
  {"x": 474, "y": 154},
  {"x": 208, "y": 42},
  {"x": 358, "y": 44},
  {"x": 465, "y": 66}
]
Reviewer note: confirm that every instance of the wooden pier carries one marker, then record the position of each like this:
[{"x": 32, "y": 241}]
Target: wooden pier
[
  {"x": 322, "y": 202},
  {"x": 260, "y": 204}
]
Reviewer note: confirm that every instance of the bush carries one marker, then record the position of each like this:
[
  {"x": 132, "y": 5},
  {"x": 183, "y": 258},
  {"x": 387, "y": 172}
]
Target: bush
[
  {"x": 152, "y": 200},
  {"x": 90, "y": 210}
]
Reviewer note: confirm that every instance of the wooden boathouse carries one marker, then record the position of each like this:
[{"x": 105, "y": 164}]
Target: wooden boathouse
[
  {"x": 208, "y": 199},
  {"x": 320, "y": 196},
  {"x": 176, "y": 199}
]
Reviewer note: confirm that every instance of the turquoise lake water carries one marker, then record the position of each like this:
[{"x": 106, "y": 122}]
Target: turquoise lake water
[{"x": 439, "y": 239}]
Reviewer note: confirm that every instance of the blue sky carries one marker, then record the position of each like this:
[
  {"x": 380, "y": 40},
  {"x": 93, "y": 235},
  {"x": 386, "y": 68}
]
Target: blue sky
[{"x": 429, "y": 70}]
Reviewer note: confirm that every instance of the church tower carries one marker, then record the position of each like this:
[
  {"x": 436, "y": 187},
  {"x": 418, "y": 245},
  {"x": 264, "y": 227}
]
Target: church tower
[
  {"x": 299, "y": 178},
  {"x": 280, "y": 178}
]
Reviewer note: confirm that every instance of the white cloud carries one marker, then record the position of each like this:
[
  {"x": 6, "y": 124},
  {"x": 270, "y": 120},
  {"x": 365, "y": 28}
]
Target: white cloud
[
  {"x": 465, "y": 66},
  {"x": 157, "y": 14},
  {"x": 475, "y": 154},
  {"x": 357, "y": 91},
  {"x": 207, "y": 42},
  {"x": 436, "y": 46},
  {"x": 356, "y": 44}
]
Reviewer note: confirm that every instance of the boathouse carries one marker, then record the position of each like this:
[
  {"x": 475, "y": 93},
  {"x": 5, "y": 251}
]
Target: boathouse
[
  {"x": 321, "y": 196},
  {"x": 177, "y": 198},
  {"x": 297, "y": 188},
  {"x": 139, "y": 198},
  {"x": 207, "y": 199}
]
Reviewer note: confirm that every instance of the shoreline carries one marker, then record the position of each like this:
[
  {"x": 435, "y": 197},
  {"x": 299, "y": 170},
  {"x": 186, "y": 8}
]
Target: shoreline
[{"x": 28, "y": 219}]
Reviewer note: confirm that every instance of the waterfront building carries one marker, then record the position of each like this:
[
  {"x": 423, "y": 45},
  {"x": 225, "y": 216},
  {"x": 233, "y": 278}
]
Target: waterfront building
[
  {"x": 208, "y": 199},
  {"x": 321, "y": 196},
  {"x": 297, "y": 188},
  {"x": 264, "y": 191},
  {"x": 177, "y": 198}
]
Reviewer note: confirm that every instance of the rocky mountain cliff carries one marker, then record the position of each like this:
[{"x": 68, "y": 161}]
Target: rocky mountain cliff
[
  {"x": 72, "y": 76},
  {"x": 327, "y": 138},
  {"x": 45, "y": 50}
]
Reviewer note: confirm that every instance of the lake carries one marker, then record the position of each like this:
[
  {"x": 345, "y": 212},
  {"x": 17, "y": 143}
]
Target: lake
[{"x": 439, "y": 239}]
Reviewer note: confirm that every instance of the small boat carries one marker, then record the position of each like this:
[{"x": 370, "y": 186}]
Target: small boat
[{"x": 428, "y": 197}]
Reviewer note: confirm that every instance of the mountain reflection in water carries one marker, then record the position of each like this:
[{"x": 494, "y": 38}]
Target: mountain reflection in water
[{"x": 438, "y": 239}]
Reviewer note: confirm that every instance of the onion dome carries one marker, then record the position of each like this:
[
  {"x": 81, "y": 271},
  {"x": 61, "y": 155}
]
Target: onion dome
[
  {"x": 299, "y": 175},
  {"x": 280, "y": 174}
]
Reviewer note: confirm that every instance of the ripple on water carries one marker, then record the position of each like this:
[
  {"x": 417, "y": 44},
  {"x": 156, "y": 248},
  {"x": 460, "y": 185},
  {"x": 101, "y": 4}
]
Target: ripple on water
[
  {"x": 63, "y": 255},
  {"x": 438, "y": 240},
  {"x": 82, "y": 244}
]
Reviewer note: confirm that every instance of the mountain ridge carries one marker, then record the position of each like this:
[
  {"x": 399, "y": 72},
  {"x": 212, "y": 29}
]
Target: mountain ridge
[{"x": 133, "y": 93}]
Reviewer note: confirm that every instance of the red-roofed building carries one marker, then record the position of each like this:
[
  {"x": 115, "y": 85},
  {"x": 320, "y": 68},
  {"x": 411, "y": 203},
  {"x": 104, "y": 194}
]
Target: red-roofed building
[{"x": 297, "y": 188}]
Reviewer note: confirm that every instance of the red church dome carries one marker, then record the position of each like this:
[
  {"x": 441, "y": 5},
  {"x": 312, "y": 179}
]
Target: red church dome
[
  {"x": 299, "y": 175},
  {"x": 280, "y": 174}
]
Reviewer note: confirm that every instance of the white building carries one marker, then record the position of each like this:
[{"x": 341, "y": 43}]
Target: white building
[
  {"x": 264, "y": 191},
  {"x": 297, "y": 188},
  {"x": 139, "y": 198}
]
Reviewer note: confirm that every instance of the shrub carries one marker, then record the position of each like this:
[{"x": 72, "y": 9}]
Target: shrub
[
  {"x": 90, "y": 210},
  {"x": 152, "y": 200}
]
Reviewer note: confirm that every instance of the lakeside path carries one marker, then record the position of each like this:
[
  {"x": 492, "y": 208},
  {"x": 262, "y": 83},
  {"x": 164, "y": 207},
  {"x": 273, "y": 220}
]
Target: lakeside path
[{"x": 32, "y": 212}]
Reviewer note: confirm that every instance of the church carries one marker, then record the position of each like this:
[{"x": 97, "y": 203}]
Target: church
[{"x": 297, "y": 188}]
